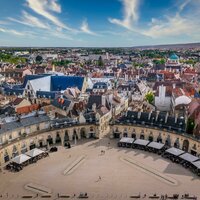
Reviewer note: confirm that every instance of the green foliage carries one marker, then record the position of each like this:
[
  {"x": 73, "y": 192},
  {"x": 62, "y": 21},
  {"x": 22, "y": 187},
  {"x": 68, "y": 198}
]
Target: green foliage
[
  {"x": 9, "y": 58},
  {"x": 149, "y": 97},
  {"x": 190, "y": 126},
  {"x": 159, "y": 62},
  {"x": 61, "y": 63},
  {"x": 190, "y": 61},
  {"x": 100, "y": 62},
  {"x": 137, "y": 65}
]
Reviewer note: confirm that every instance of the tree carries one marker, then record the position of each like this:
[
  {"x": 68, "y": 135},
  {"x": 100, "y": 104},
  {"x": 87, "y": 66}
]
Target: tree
[
  {"x": 149, "y": 97},
  {"x": 100, "y": 62},
  {"x": 190, "y": 126}
]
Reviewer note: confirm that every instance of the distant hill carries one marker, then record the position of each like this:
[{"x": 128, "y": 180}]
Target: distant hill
[{"x": 170, "y": 46}]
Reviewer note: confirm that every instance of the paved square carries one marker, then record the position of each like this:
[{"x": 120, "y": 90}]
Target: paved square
[{"x": 115, "y": 174}]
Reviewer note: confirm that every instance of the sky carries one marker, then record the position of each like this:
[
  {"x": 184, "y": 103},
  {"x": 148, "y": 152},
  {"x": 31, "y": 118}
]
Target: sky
[{"x": 98, "y": 23}]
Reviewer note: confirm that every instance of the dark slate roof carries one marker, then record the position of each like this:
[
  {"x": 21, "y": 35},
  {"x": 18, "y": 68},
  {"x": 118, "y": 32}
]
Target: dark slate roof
[
  {"x": 8, "y": 109},
  {"x": 25, "y": 122},
  {"x": 90, "y": 117},
  {"x": 154, "y": 120},
  {"x": 100, "y": 85},
  {"x": 159, "y": 67},
  {"x": 94, "y": 99},
  {"x": 46, "y": 94},
  {"x": 59, "y": 83},
  {"x": 122, "y": 66},
  {"x": 106, "y": 74},
  {"x": 13, "y": 91}
]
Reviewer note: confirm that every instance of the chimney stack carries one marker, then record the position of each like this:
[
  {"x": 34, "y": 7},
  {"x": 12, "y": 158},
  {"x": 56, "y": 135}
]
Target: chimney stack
[{"x": 166, "y": 117}]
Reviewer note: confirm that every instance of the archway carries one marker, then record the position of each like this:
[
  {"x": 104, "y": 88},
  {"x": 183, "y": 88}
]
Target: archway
[
  {"x": 151, "y": 137},
  {"x": 58, "y": 139},
  {"x": 176, "y": 143},
  {"x": 194, "y": 150},
  {"x": 91, "y": 134},
  {"x": 40, "y": 141},
  {"x": 159, "y": 138},
  {"x": 14, "y": 152},
  {"x": 83, "y": 133},
  {"x": 168, "y": 141},
  {"x": 75, "y": 136},
  {"x": 116, "y": 133},
  {"x": 6, "y": 156},
  {"x": 185, "y": 145},
  {"x": 32, "y": 145},
  {"x": 125, "y": 134},
  {"x": 50, "y": 140},
  {"x": 133, "y": 135},
  {"x": 66, "y": 137},
  {"x": 23, "y": 148}
]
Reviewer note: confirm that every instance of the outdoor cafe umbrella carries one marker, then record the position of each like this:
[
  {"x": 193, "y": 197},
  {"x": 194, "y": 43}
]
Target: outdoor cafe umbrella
[
  {"x": 21, "y": 159},
  {"x": 34, "y": 152}
]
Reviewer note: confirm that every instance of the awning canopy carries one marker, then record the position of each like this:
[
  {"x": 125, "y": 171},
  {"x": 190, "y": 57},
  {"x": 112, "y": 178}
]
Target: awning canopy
[
  {"x": 188, "y": 157},
  {"x": 127, "y": 140},
  {"x": 141, "y": 142},
  {"x": 174, "y": 151},
  {"x": 156, "y": 145},
  {"x": 196, "y": 164},
  {"x": 34, "y": 152},
  {"x": 21, "y": 159}
]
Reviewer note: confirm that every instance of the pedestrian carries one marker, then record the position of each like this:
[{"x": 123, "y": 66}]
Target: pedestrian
[{"x": 99, "y": 177}]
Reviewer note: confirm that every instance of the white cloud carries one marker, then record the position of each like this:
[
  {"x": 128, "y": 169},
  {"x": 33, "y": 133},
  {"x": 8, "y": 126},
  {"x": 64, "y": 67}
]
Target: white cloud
[
  {"x": 171, "y": 25},
  {"x": 85, "y": 28},
  {"x": 30, "y": 20},
  {"x": 11, "y": 31},
  {"x": 60, "y": 35},
  {"x": 175, "y": 25},
  {"x": 43, "y": 8},
  {"x": 130, "y": 9},
  {"x": 183, "y": 5},
  {"x": 3, "y": 22}
]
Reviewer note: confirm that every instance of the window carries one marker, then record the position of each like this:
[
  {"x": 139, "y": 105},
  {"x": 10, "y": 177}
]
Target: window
[{"x": 28, "y": 87}]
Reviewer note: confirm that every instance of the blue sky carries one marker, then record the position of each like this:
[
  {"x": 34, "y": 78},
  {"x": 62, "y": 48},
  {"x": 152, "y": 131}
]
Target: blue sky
[{"x": 98, "y": 23}]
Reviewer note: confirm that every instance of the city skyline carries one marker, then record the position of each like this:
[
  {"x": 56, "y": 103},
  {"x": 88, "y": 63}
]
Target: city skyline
[{"x": 107, "y": 23}]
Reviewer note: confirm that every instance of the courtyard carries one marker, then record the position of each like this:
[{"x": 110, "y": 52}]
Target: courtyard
[{"x": 103, "y": 171}]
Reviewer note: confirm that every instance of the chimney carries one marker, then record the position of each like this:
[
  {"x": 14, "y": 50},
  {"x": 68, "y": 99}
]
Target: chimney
[
  {"x": 149, "y": 115},
  {"x": 157, "y": 113},
  {"x": 103, "y": 100},
  {"x": 94, "y": 107},
  {"x": 176, "y": 117},
  {"x": 166, "y": 117},
  {"x": 139, "y": 115}
]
